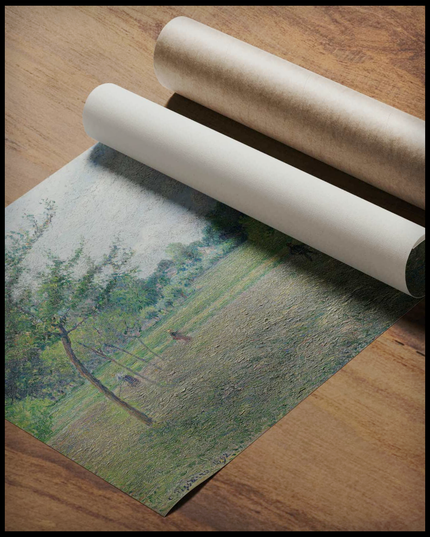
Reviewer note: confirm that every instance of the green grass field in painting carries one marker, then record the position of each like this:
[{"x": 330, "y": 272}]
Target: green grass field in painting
[{"x": 267, "y": 328}]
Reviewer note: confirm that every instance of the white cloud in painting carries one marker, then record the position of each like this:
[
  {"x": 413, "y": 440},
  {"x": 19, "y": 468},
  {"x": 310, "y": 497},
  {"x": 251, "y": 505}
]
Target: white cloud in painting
[{"x": 103, "y": 194}]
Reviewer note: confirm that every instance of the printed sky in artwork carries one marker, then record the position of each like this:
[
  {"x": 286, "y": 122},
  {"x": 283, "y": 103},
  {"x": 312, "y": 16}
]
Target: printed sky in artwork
[{"x": 108, "y": 204}]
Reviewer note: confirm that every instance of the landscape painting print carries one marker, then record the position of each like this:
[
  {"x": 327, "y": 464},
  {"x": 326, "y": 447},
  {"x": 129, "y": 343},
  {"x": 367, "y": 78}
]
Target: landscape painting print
[{"x": 153, "y": 333}]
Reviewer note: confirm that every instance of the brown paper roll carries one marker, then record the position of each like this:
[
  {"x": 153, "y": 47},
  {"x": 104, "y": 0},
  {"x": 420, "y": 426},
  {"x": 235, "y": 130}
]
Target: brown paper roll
[{"x": 337, "y": 125}]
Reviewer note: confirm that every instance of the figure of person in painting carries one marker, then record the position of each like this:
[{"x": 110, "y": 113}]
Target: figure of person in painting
[
  {"x": 132, "y": 381},
  {"x": 300, "y": 249},
  {"x": 177, "y": 336}
]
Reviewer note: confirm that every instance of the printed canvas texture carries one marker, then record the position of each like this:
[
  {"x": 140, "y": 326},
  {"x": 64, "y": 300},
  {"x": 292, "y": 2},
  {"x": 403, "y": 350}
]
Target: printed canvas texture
[{"x": 153, "y": 333}]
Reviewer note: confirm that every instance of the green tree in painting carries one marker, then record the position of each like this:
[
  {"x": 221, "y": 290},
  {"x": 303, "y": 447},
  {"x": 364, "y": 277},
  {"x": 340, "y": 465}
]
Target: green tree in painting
[
  {"x": 182, "y": 254},
  {"x": 70, "y": 292},
  {"x": 225, "y": 223}
]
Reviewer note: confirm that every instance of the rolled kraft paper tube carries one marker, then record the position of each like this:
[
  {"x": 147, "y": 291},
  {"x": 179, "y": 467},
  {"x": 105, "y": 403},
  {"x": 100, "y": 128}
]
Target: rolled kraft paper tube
[
  {"x": 337, "y": 125},
  {"x": 321, "y": 215}
]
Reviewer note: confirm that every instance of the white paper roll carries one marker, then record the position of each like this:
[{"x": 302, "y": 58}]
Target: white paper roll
[{"x": 337, "y": 223}]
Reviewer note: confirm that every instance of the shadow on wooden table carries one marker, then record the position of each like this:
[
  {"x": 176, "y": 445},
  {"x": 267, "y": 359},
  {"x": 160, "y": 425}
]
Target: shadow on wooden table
[
  {"x": 191, "y": 494},
  {"x": 411, "y": 328},
  {"x": 291, "y": 156}
]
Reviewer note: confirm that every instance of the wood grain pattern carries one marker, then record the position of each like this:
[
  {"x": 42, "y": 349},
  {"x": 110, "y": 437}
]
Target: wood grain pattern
[{"x": 351, "y": 456}]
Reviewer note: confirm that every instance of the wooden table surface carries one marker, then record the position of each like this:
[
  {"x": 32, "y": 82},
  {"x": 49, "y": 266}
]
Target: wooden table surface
[{"x": 349, "y": 457}]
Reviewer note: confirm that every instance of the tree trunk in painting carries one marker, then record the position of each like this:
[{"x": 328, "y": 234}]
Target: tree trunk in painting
[{"x": 96, "y": 383}]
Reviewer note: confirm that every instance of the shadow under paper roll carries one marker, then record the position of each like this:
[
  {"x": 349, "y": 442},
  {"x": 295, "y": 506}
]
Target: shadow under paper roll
[{"x": 415, "y": 271}]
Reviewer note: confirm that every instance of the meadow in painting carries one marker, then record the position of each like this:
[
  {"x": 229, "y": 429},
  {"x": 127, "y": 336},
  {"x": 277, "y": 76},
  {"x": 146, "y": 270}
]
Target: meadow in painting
[{"x": 152, "y": 333}]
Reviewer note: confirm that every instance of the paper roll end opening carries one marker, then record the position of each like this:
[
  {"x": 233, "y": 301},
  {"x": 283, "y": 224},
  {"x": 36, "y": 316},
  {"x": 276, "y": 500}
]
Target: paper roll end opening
[{"x": 415, "y": 271}]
